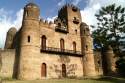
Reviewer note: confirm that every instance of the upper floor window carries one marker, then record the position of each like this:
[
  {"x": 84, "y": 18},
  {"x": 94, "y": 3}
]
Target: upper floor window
[
  {"x": 62, "y": 46},
  {"x": 43, "y": 42},
  {"x": 74, "y": 46},
  {"x": 28, "y": 38},
  {"x": 74, "y": 9},
  {"x": 59, "y": 25}
]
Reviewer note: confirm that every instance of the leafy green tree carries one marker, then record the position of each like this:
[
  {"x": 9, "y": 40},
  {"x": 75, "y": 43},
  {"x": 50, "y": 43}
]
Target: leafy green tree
[{"x": 110, "y": 27}]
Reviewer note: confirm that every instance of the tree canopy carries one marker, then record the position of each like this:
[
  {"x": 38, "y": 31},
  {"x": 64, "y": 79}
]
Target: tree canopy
[{"x": 110, "y": 27}]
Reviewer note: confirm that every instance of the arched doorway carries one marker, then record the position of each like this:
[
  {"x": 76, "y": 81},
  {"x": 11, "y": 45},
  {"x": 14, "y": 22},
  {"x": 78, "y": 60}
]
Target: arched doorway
[
  {"x": 43, "y": 70},
  {"x": 63, "y": 70}
]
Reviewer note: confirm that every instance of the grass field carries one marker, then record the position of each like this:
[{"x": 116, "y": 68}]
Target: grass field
[{"x": 100, "y": 80}]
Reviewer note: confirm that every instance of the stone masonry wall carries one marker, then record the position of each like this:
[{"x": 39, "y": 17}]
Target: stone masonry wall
[{"x": 8, "y": 57}]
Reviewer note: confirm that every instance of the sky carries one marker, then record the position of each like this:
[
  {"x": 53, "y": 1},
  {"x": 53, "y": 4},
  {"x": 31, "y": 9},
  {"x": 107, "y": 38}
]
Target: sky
[{"x": 11, "y": 11}]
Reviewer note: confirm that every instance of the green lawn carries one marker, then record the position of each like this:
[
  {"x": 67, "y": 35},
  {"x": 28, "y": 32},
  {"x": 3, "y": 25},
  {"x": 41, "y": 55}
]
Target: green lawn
[{"x": 101, "y": 80}]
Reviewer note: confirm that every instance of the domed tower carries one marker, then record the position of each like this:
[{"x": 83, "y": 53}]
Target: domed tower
[
  {"x": 87, "y": 51},
  {"x": 10, "y": 38},
  {"x": 70, "y": 18},
  {"x": 30, "y": 43},
  {"x": 110, "y": 60}
]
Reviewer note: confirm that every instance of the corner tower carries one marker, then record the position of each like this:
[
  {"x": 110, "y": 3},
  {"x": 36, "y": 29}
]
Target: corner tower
[
  {"x": 87, "y": 51},
  {"x": 70, "y": 17},
  {"x": 30, "y": 42},
  {"x": 10, "y": 38}
]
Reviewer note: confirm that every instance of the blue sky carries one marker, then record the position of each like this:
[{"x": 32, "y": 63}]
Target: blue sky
[
  {"x": 49, "y": 8},
  {"x": 11, "y": 11}
]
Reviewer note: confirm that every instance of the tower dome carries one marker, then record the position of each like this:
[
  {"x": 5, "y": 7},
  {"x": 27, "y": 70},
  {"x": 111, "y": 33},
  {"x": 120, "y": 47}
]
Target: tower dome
[
  {"x": 31, "y": 11},
  {"x": 10, "y": 38},
  {"x": 31, "y": 5},
  {"x": 12, "y": 30}
]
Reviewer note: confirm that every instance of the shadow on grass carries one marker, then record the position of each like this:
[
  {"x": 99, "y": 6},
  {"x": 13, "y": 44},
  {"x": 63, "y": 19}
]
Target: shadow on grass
[{"x": 111, "y": 79}]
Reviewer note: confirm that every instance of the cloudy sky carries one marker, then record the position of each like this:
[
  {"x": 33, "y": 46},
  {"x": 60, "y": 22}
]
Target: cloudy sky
[{"x": 11, "y": 11}]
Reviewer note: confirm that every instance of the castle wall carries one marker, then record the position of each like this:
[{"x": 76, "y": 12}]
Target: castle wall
[
  {"x": 53, "y": 37},
  {"x": 8, "y": 57},
  {"x": 74, "y": 65}
]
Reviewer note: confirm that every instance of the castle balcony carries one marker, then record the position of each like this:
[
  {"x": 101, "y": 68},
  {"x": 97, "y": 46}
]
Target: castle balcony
[
  {"x": 61, "y": 29},
  {"x": 52, "y": 50}
]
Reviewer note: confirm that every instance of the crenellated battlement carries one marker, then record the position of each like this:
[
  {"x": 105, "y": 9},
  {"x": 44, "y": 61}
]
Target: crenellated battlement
[
  {"x": 68, "y": 6},
  {"x": 46, "y": 23}
]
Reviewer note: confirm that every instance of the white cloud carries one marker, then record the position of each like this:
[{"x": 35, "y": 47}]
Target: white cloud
[
  {"x": 93, "y": 6},
  {"x": 51, "y": 19},
  {"x": 6, "y": 22},
  {"x": 76, "y": 2},
  {"x": 61, "y": 3}
]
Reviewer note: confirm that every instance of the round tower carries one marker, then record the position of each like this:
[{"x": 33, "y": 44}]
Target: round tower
[
  {"x": 10, "y": 38},
  {"x": 87, "y": 51},
  {"x": 30, "y": 43},
  {"x": 110, "y": 60}
]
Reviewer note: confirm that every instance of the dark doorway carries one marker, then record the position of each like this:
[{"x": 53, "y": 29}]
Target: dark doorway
[
  {"x": 43, "y": 70},
  {"x": 63, "y": 70}
]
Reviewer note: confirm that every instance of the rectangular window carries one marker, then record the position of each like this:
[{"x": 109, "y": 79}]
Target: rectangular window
[{"x": 28, "y": 38}]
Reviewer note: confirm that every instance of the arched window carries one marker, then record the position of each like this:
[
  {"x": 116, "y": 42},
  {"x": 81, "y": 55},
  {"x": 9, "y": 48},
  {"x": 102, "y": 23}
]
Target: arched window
[
  {"x": 74, "y": 46},
  {"x": 28, "y": 38},
  {"x": 59, "y": 24},
  {"x": 84, "y": 31},
  {"x": 63, "y": 70},
  {"x": 43, "y": 70},
  {"x": 62, "y": 46},
  {"x": 43, "y": 42}
]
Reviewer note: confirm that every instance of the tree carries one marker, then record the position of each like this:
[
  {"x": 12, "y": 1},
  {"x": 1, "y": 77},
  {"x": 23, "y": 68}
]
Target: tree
[{"x": 110, "y": 27}]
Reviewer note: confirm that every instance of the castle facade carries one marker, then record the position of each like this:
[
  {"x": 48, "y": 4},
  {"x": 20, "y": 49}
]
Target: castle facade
[{"x": 42, "y": 50}]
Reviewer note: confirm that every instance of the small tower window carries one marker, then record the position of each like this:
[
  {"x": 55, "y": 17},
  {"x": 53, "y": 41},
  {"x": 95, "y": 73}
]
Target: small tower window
[
  {"x": 76, "y": 31},
  {"x": 28, "y": 38},
  {"x": 84, "y": 31},
  {"x": 86, "y": 47},
  {"x": 74, "y": 46}
]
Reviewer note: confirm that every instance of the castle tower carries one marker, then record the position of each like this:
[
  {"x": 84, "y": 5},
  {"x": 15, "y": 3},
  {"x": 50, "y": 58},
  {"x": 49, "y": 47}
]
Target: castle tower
[
  {"x": 10, "y": 38},
  {"x": 110, "y": 60},
  {"x": 87, "y": 51},
  {"x": 30, "y": 42},
  {"x": 70, "y": 17}
]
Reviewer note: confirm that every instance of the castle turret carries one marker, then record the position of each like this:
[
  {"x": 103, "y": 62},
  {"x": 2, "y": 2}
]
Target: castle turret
[
  {"x": 87, "y": 51},
  {"x": 110, "y": 60},
  {"x": 69, "y": 16},
  {"x": 30, "y": 42},
  {"x": 10, "y": 38}
]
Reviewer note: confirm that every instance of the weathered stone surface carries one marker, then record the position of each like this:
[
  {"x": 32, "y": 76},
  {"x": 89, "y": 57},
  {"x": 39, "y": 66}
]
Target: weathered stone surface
[
  {"x": 27, "y": 62},
  {"x": 8, "y": 57}
]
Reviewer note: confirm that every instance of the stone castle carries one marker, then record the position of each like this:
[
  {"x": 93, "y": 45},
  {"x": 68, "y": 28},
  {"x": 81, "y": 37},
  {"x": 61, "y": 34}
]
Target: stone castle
[{"x": 61, "y": 49}]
